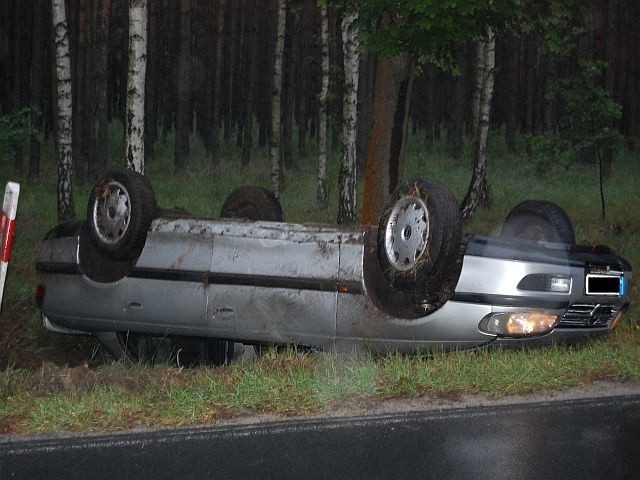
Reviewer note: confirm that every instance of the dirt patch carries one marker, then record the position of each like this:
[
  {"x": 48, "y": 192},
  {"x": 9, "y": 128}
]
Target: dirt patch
[{"x": 25, "y": 344}]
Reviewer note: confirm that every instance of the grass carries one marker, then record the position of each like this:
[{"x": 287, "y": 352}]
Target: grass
[
  {"x": 118, "y": 396},
  {"x": 110, "y": 395}
]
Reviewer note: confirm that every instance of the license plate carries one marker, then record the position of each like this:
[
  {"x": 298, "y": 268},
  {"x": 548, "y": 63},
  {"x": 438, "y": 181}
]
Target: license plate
[{"x": 603, "y": 284}]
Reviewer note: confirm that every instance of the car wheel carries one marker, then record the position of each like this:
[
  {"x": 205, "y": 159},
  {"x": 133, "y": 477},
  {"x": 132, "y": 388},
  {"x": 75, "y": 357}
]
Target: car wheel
[
  {"x": 252, "y": 203},
  {"x": 120, "y": 210},
  {"x": 538, "y": 220},
  {"x": 419, "y": 236},
  {"x": 182, "y": 351}
]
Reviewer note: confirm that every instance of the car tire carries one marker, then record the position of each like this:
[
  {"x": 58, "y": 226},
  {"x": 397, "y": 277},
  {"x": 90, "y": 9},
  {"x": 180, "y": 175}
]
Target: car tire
[
  {"x": 419, "y": 236},
  {"x": 121, "y": 207},
  {"x": 538, "y": 220},
  {"x": 187, "y": 352},
  {"x": 252, "y": 203}
]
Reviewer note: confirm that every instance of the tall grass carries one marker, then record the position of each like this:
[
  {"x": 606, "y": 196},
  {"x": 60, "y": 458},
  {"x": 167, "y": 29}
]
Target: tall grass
[{"x": 118, "y": 396}]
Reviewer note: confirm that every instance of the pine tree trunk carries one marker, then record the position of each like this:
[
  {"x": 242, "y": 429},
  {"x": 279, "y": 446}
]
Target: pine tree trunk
[
  {"x": 512, "y": 74},
  {"x": 66, "y": 209},
  {"x": 291, "y": 58},
  {"x": 232, "y": 60},
  {"x": 151, "y": 81},
  {"x": 455, "y": 129},
  {"x": 350, "y": 46},
  {"x": 203, "y": 66},
  {"x": 79, "y": 38},
  {"x": 89, "y": 99},
  {"x": 276, "y": 96},
  {"x": 37, "y": 62},
  {"x": 385, "y": 139},
  {"x": 135, "y": 85},
  {"x": 321, "y": 190},
  {"x": 247, "y": 127},
  {"x": 238, "y": 102},
  {"x": 169, "y": 22},
  {"x": 302, "y": 84},
  {"x": 335, "y": 99},
  {"x": 478, "y": 191},
  {"x": 365, "y": 101},
  {"x": 184, "y": 112},
  {"x": 101, "y": 68},
  {"x": 217, "y": 85},
  {"x": 600, "y": 10}
]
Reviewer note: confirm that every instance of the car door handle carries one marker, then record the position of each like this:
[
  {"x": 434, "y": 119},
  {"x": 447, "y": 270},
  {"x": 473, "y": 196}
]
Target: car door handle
[
  {"x": 133, "y": 306},
  {"x": 224, "y": 313}
]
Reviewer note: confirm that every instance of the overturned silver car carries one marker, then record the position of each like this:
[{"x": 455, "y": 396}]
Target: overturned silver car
[{"x": 152, "y": 283}]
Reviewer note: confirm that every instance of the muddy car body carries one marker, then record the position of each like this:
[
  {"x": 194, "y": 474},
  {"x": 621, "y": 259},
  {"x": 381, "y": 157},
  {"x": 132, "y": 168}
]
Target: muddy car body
[{"x": 324, "y": 287}]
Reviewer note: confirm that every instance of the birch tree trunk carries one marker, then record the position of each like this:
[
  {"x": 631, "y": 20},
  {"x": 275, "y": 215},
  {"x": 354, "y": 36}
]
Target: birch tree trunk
[
  {"x": 276, "y": 107},
  {"x": 478, "y": 191},
  {"x": 135, "y": 85},
  {"x": 321, "y": 191},
  {"x": 350, "y": 46},
  {"x": 66, "y": 209}
]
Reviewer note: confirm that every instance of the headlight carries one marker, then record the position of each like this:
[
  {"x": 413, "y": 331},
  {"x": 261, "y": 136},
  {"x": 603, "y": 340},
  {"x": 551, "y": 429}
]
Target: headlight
[{"x": 518, "y": 324}]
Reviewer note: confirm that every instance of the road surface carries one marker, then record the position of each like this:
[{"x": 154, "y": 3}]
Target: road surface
[{"x": 570, "y": 439}]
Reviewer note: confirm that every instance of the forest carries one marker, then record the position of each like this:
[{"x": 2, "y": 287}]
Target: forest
[{"x": 565, "y": 78}]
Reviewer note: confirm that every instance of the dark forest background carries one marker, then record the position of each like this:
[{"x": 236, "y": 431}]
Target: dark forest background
[{"x": 183, "y": 37}]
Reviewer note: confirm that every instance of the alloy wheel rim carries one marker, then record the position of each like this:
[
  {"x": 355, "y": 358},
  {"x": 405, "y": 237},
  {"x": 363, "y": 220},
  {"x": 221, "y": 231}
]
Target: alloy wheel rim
[
  {"x": 112, "y": 213},
  {"x": 406, "y": 233}
]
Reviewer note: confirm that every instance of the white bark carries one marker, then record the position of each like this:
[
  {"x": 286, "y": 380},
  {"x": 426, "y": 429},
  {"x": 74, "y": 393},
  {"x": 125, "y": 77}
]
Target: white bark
[
  {"x": 489, "y": 52},
  {"x": 484, "y": 84},
  {"x": 135, "y": 85},
  {"x": 350, "y": 47},
  {"x": 63, "y": 84},
  {"x": 276, "y": 107},
  {"x": 478, "y": 191},
  {"x": 321, "y": 192}
]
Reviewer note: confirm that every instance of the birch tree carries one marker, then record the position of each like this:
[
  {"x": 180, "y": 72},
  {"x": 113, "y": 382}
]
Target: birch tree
[
  {"x": 350, "y": 46},
  {"x": 135, "y": 85},
  {"x": 276, "y": 95},
  {"x": 478, "y": 191},
  {"x": 321, "y": 191},
  {"x": 66, "y": 208}
]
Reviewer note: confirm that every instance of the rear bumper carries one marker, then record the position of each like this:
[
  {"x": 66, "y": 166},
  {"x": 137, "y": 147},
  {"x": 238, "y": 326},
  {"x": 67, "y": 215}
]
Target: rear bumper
[{"x": 56, "y": 328}]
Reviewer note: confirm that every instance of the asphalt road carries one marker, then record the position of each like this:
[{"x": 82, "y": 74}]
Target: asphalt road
[{"x": 581, "y": 439}]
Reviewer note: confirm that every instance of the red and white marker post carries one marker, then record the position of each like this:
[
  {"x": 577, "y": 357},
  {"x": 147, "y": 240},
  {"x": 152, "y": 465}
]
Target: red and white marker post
[{"x": 7, "y": 221}]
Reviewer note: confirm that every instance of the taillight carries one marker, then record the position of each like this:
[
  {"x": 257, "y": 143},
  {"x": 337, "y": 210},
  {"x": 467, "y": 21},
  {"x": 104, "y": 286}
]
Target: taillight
[{"x": 40, "y": 292}]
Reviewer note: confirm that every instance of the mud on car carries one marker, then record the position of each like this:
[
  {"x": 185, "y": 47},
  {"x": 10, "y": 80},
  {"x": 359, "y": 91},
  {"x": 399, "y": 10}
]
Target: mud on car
[{"x": 152, "y": 283}]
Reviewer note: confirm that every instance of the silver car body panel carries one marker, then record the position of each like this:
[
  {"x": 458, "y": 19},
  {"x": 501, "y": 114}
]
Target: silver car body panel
[{"x": 276, "y": 283}]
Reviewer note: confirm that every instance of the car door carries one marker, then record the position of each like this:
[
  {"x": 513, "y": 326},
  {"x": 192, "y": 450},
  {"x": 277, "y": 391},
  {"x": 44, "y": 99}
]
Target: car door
[
  {"x": 274, "y": 286},
  {"x": 166, "y": 291}
]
